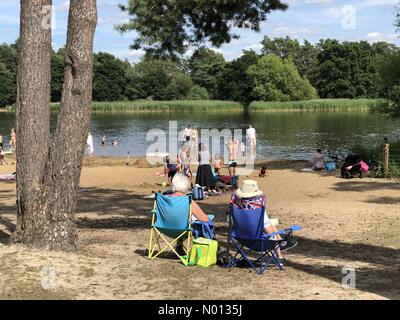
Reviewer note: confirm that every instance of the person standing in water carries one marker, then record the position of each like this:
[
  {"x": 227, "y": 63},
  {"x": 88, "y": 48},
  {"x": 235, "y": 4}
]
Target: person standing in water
[
  {"x": 251, "y": 138},
  {"x": 89, "y": 145},
  {"x": 13, "y": 142}
]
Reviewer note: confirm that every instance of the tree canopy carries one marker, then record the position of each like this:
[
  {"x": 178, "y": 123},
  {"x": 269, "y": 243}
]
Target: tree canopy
[
  {"x": 278, "y": 80},
  {"x": 168, "y": 28}
]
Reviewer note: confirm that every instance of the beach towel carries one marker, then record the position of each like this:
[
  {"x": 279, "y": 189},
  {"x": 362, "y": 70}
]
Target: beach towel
[{"x": 8, "y": 177}]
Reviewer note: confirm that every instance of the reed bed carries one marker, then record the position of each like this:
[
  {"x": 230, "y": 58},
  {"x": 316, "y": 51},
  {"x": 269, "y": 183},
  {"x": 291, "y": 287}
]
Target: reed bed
[{"x": 316, "y": 105}]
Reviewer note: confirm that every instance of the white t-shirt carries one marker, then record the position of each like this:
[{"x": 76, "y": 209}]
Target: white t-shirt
[
  {"x": 187, "y": 132},
  {"x": 251, "y": 133}
]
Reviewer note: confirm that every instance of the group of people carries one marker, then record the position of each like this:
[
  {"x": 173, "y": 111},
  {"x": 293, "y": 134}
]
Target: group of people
[
  {"x": 208, "y": 168},
  {"x": 247, "y": 192},
  {"x": 13, "y": 145},
  {"x": 90, "y": 144}
]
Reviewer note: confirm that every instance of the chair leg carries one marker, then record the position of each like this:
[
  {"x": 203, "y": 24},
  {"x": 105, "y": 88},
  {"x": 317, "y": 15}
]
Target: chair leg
[{"x": 151, "y": 250}]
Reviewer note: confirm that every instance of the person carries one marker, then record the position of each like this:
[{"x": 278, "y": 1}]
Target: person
[
  {"x": 217, "y": 164},
  {"x": 103, "y": 141},
  {"x": 194, "y": 144},
  {"x": 233, "y": 145},
  {"x": 13, "y": 142},
  {"x": 1, "y": 141},
  {"x": 89, "y": 145},
  {"x": 263, "y": 172},
  {"x": 2, "y": 159},
  {"x": 180, "y": 187},
  {"x": 170, "y": 169},
  {"x": 250, "y": 195},
  {"x": 187, "y": 132},
  {"x": 251, "y": 138},
  {"x": 243, "y": 149},
  {"x": 204, "y": 177},
  {"x": 319, "y": 163}
]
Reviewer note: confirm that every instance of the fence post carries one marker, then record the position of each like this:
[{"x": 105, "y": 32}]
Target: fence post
[{"x": 386, "y": 159}]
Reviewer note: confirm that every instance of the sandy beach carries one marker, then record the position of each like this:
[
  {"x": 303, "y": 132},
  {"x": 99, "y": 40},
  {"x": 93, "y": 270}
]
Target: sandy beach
[{"x": 346, "y": 223}]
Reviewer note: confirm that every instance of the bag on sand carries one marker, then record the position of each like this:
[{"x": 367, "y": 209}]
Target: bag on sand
[
  {"x": 198, "y": 193},
  {"x": 203, "y": 253}
]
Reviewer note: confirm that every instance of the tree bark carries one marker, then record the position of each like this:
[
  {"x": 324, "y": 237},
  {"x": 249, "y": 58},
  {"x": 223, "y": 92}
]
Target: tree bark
[
  {"x": 47, "y": 220},
  {"x": 32, "y": 117}
]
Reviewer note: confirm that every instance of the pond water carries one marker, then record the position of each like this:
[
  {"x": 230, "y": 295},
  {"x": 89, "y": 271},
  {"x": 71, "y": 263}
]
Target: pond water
[{"x": 281, "y": 135}]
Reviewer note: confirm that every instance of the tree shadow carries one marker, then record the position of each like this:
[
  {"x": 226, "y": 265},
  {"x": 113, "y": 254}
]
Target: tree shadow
[
  {"x": 361, "y": 186},
  {"x": 380, "y": 279}
]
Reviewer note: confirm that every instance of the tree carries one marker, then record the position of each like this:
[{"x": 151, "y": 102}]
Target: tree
[
  {"x": 347, "y": 70},
  {"x": 274, "y": 79},
  {"x": 179, "y": 87},
  {"x": 198, "y": 93},
  {"x": 109, "y": 77},
  {"x": 168, "y": 28},
  {"x": 206, "y": 67},
  {"x": 48, "y": 169},
  {"x": 9, "y": 61},
  {"x": 303, "y": 55},
  {"x": 57, "y": 75},
  {"x": 152, "y": 77},
  {"x": 235, "y": 83},
  {"x": 6, "y": 86}
]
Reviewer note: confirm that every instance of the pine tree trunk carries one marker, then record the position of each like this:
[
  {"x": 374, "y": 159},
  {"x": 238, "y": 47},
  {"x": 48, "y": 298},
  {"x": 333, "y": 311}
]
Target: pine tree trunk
[
  {"x": 47, "y": 220},
  {"x": 32, "y": 117}
]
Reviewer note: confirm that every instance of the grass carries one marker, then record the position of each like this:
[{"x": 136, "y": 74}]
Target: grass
[
  {"x": 316, "y": 105},
  {"x": 165, "y": 106},
  {"x": 191, "y": 106}
]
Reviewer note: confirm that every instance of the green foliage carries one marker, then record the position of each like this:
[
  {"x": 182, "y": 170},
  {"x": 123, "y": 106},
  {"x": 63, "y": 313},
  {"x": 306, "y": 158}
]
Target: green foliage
[
  {"x": 189, "y": 106},
  {"x": 198, "y": 93},
  {"x": 179, "y": 87},
  {"x": 347, "y": 70},
  {"x": 109, "y": 77},
  {"x": 6, "y": 86},
  {"x": 317, "y": 105},
  {"x": 206, "y": 67},
  {"x": 304, "y": 55},
  {"x": 57, "y": 75},
  {"x": 168, "y": 28},
  {"x": 274, "y": 79},
  {"x": 8, "y": 74},
  {"x": 234, "y": 83}
]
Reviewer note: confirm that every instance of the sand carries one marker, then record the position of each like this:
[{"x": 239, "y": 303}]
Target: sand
[{"x": 346, "y": 223}]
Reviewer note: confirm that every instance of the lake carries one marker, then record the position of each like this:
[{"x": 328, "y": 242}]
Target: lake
[{"x": 281, "y": 135}]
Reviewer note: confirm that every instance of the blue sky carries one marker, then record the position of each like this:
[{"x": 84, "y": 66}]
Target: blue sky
[{"x": 371, "y": 20}]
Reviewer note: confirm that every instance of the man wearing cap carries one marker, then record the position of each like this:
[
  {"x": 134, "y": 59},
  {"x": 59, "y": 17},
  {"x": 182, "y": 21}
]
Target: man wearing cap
[{"x": 251, "y": 197}]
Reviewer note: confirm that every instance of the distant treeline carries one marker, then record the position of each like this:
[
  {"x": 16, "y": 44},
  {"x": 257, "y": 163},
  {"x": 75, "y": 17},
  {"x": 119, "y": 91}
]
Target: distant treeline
[{"x": 285, "y": 70}]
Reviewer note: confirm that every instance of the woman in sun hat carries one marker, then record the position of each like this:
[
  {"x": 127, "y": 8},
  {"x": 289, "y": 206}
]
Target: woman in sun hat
[{"x": 251, "y": 197}]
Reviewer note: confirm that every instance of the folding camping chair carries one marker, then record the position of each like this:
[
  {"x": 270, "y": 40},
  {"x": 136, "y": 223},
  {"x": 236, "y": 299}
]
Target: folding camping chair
[
  {"x": 171, "y": 218},
  {"x": 246, "y": 225}
]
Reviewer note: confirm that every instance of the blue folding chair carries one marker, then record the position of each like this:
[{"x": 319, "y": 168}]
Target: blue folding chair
[
  {"x": 171, "y": 218},
  {"x": 246, "y": 233}
]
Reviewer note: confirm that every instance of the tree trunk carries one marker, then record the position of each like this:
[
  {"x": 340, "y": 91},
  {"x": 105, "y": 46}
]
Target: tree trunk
[
  {"x": 32, "y": 117},
  {"x": 48, "y": 219}
]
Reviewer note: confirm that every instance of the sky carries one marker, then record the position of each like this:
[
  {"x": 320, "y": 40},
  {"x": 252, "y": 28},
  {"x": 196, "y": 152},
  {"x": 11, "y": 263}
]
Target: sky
[{"x": 355, "y": 20}]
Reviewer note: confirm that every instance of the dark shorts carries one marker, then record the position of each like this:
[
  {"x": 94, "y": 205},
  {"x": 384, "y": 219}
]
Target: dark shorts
[{"x": 232, "y": 164}]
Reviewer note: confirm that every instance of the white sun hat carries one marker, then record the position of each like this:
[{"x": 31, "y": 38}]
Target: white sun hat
[{"x": 249, "y": 189}]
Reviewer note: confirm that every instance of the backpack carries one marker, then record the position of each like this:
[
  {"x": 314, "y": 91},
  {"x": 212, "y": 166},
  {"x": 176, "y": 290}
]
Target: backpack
[{"x": 198, "y": 193}]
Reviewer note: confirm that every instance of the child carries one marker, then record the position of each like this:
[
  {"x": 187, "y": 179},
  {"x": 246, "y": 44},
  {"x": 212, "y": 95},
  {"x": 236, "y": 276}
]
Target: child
[
  {"x": 217, "y": 164},
  {"x": 243, "y": 149},
  {"x": 263, "y": 172},
  {"x": 170, "y": 169},
  {"x": 2, "y": 159}
]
